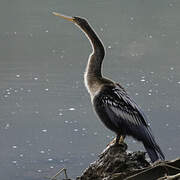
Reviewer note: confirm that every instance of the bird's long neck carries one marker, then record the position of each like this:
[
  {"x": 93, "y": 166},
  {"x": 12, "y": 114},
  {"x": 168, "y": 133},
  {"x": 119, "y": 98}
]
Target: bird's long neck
[{"x": 93, "y": 68}]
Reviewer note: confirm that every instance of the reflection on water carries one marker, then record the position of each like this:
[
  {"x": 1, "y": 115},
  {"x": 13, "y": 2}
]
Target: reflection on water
[{"x": 46, "y": 119}]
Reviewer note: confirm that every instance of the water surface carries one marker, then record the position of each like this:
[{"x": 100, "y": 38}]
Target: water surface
[{"x": 46, "y": 119}]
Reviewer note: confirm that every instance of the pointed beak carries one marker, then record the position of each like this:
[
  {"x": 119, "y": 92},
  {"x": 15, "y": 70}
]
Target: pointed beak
[{"x": 69, "y": 18}]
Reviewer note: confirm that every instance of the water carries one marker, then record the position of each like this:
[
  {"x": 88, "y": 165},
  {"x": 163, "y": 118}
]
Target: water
[{"x": 46, "y": 119}]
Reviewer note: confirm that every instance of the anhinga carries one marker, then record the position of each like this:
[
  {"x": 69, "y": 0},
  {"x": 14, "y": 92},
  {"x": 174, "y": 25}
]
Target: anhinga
[{"x": 111, "y": 102}]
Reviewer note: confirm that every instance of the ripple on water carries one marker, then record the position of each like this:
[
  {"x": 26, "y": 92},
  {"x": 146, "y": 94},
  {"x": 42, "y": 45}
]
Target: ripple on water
[
  {"x": 143, "y": 80},
  {"x": 72, "y": 109},
  {"x": 7, "y": 126},
  {"x": 44, "y": 130},
  {"x": 21, "y": 155},
  {"x": 95, "y": 133},
  {"x": 14, "y": 147},
  {"x": 60, "y": 114},
  {"x": 14, "y": 162},
  {"x": 35, "y": 78},
  {"x": 18, "y": 75},
  {"x": 167, "y": 105},
  {"x": 76, "y": 130},
  {"x": 42, "y": 151}
]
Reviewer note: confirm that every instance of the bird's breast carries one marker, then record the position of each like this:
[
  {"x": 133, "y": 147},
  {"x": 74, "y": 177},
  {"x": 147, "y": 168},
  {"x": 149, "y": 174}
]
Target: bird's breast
[{"x": 93, "y": 85}]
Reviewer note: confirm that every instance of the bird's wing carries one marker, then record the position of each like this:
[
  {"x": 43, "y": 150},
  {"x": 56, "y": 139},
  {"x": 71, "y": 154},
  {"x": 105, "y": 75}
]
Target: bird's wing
[
  {"x": 122, "y": 109},
  {"x": 121, "y": 114}
]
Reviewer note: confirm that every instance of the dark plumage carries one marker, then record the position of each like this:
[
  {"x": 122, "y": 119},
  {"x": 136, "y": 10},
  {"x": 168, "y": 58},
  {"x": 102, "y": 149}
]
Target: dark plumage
[
  {"x": 110, "y": 101},
  {"x": 120, "y": 114}
]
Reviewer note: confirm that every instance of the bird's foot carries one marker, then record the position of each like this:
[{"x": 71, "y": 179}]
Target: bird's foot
[
  {"x": 121, "y": 140},
  {"x": 121, "y": 146},
  {"x": 116, "y": 141}
]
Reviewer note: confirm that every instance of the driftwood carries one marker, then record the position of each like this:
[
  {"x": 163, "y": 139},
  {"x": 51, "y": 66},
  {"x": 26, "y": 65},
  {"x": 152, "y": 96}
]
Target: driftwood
[{"x": 115, "y": 163}]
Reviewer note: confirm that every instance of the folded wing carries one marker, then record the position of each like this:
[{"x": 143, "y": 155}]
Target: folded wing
[{"x": 121, "y": 114}]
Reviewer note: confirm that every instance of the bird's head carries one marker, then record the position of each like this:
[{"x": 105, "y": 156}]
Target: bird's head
[{"x": 76, "y": 20}]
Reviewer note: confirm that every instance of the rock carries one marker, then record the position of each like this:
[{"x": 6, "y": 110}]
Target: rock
[{"x": 115, "y": 163}]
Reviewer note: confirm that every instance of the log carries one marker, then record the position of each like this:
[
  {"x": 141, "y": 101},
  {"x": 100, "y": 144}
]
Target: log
[{"x": 116, "y": 163}]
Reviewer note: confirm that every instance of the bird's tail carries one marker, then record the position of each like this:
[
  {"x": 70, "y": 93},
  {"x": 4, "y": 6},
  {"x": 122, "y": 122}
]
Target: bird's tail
[{"x": 154, "y": 152}]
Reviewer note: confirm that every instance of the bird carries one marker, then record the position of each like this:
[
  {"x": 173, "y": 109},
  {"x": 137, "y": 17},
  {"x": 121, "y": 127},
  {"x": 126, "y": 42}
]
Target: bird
[{"x": 110, "y": 101}]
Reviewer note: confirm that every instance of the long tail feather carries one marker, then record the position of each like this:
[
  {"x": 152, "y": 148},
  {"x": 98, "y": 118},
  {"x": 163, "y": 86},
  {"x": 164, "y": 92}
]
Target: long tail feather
[
  {"x": 152, "y": 147},
  {"x": 154, "y": 153}
]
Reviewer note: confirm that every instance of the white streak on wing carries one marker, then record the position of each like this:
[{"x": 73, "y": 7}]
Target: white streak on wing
[
  {"x": 132, "y": 115},
  {"x": 128, "y": 100},
  {"x": 126, "y": 116},
  {"x": 137, "y": 119}
]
